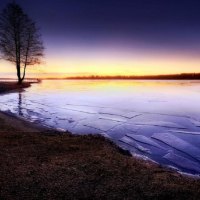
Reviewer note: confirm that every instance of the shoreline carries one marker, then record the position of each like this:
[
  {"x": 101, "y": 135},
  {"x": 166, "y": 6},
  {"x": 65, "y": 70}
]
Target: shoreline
[
  {"x": 7, "y": 87},
  {"x": 43, "y": 129},
  {"x": 63, "y": 153}
]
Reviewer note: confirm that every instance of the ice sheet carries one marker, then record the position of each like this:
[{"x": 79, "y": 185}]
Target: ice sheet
[
  {"x": 117, "y": 109},
  {"x": 145, "y": 140},
  {"x": 178, "y": 144},
  {"x": 183, "y": 162}
]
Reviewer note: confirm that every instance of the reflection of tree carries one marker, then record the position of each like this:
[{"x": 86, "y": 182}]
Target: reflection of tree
[{"x": 20, "y": 104}]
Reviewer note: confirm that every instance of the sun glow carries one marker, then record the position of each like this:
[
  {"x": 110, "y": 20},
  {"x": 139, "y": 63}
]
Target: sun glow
[
  {"x": 85, "y": 63},
  {"x": 103, "y": 66}
]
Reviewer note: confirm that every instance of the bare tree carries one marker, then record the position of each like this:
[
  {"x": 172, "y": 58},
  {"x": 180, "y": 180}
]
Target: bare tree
[{"x": 20, "y": 41}]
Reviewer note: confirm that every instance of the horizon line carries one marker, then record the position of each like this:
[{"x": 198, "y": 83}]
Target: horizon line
[{"x": 160, "y": 76}]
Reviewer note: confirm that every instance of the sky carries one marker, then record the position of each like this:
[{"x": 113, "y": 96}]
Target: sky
[{"x": 114, "y": 37}]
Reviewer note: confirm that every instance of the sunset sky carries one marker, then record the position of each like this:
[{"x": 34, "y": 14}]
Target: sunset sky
[{"x": 114, "y": 37}]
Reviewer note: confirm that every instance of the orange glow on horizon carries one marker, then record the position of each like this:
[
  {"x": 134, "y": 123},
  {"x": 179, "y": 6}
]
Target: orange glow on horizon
[{"x": 76, "y": 65}]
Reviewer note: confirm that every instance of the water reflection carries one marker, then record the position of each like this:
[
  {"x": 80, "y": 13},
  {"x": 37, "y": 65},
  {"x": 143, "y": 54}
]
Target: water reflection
[{"x": 20, "y": 112}]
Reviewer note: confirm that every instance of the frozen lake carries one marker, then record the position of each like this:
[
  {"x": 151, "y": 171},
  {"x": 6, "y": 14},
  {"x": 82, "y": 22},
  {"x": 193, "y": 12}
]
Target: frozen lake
[{"x": 159, "y": 120}]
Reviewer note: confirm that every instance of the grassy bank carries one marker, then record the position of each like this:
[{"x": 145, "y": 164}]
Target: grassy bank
[{"x": 36, "y": 163}]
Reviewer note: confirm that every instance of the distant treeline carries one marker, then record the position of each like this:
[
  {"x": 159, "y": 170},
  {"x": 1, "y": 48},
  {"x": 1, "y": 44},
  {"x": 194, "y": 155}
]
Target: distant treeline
[{"x": 184, "y": 76}]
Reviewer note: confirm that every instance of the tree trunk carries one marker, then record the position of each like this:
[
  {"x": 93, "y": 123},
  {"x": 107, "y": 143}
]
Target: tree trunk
[
  {"x": 19, "y": 81},
  {"x": 24, "y": 73},
  {"x": 19, "y": 75}
]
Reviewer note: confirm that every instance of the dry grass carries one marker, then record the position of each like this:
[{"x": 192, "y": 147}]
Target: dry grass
[{"x": 41, "y": 166}]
